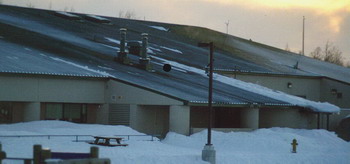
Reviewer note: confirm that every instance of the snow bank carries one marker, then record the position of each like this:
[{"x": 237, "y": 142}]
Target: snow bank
[
  {"x": 257, "y": 147},
  {"x": 294, "y": 100},
  {"x": 269, "y": 146}
]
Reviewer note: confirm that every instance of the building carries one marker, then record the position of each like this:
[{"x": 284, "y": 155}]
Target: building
[{"x": 77, "y": 67}]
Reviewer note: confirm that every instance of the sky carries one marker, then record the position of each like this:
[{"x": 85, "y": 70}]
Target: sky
[{"x": 276, "y": 23}]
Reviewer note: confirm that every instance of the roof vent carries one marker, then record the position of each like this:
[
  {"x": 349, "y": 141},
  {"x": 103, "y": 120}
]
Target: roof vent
[
  {"x": 122, "y": 55},
  {"x": 134, "y": 47},
  {"x": 145, "y": 61}
]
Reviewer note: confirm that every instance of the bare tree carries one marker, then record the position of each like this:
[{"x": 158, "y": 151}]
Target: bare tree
[
  {"x": 30, "y": 5},
  {"x": 128, "y": 14},
  {"x": 317, "y": 54},
  {"x": 332, "y": 54},
  {"x": 348, "y": 65}
]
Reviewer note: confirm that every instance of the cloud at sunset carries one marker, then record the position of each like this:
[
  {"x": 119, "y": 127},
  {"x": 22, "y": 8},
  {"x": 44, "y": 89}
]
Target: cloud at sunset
[{"x": 334, "y": 10}]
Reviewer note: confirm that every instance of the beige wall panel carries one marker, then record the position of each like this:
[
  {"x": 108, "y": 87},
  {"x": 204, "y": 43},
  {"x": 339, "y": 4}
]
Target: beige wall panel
[
  {"x": 13, "y": 88},
  {"x": 71, "y": 90},
  {"x": 250, "y": 118},
  {"x": 35, "y": 89},
  {"x": 121, "y": 93},
  {"x": 150, "y": 119},
  {"x": 341, "y": 88},
  {"x": 309, "y": 87},
  {"x": 179, "y": 119}
]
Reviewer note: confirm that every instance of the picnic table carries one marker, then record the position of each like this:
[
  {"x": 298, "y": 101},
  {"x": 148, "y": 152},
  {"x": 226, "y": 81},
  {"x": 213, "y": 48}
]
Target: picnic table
[{"x": 106, "y": 141}]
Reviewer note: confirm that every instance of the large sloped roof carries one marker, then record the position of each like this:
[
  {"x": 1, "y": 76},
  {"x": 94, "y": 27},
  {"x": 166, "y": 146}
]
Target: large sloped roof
[{"x": 40, "y": 42}]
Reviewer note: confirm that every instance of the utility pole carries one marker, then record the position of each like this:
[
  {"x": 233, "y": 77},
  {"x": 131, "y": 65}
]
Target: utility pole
[
  {"x": 208, "y": 152},
  {"x": 303, "y": 46},
  {"x": 227, "y": 23}
]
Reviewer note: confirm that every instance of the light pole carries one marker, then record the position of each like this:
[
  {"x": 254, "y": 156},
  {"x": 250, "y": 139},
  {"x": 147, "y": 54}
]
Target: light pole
[{"x": 208, "y": 153}]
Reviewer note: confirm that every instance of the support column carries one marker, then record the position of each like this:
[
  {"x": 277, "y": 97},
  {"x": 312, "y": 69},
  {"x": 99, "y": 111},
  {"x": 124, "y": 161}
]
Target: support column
[
  {"x": 102, "y": 114},
  {"x": 31, "y": 112},
  {"x": 179, "y": 119},
  {"x": 250, "y": 118}
]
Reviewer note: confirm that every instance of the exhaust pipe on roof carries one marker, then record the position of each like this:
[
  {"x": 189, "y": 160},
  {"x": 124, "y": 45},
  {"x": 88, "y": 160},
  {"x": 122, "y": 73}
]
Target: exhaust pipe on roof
[
  {"x": 145, "y": 61},
  {"x": 122, "y": 55}
]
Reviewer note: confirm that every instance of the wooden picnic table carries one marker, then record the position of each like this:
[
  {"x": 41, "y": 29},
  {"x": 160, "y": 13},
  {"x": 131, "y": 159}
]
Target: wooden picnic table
[{"x": 106, "y": 141}]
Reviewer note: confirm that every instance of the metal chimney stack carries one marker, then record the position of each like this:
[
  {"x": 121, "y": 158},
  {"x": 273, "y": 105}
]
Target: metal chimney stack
[
  {"x": 122, "y": 55},
  {"x": 145, "y": 59}
]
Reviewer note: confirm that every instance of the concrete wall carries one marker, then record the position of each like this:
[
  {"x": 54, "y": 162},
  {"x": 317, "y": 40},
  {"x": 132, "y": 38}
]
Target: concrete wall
[
  {"x": 179, "y": 119},
  {"x": 120, "y": 93},
  {"x": 341, "y": 88},
  {"x": 342, "y": 102},
  {"x": 291, "y": 118},
  {"x": 31, "y": 112},
  {"x": 250, "y": 118},
  {"x": 102, "y": 114},
  {"x": 305, "y": 86},
  {"x": 50, "y": 89},
  {"x": 150, "y": 119}
]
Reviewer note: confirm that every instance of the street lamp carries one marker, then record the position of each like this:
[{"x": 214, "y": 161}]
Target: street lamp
[{"x": 208, "y": 153}]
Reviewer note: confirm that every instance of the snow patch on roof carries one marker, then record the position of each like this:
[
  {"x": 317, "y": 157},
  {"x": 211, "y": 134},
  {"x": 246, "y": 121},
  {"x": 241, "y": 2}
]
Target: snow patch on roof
[
  {"x": 97, "y": 17},
  {"x": 106, "y": 68},
  {"x": 83, "y": 67},
  {"x": 116, "y": 48},
  {"x": 155, "y": 49},
  {"x": 66, "y": 14},
  {"x": 113, "y": 40},
  {"x": 159, "y": 28},
  {"x": 278, "y": 95},
  {"x": 171, "y": 49},
  {"x": 12, "y": 57}
]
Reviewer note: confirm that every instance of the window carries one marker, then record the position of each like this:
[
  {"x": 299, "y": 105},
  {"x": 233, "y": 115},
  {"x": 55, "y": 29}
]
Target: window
[{"x": 68, "y": 112}]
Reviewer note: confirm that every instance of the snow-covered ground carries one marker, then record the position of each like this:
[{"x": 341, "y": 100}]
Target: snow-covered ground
[{"x": 260, "y": 146}]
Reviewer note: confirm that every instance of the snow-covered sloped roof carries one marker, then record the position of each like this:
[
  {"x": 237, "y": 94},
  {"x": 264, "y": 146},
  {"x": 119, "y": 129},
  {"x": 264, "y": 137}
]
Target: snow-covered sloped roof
[{"x": 38, "y": 42}]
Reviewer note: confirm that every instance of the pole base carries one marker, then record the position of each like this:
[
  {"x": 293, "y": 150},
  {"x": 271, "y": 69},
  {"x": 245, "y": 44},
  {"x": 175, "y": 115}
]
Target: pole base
[{"x": 209, "y": 154}]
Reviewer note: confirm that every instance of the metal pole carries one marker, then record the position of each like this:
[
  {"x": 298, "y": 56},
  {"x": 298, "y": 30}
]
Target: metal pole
[
  {"x": 303, "y": 49},
  {"x": 210, "y": 97},
  {"x": 318, "y": 121},
  {"x": 327, "y": 121}
]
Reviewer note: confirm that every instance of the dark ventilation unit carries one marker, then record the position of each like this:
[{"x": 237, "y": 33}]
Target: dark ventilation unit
[
  {"x": 134, "y": 47},
  {"x": 68, "y": 16},
  {"x": 97, "y": 19}
]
